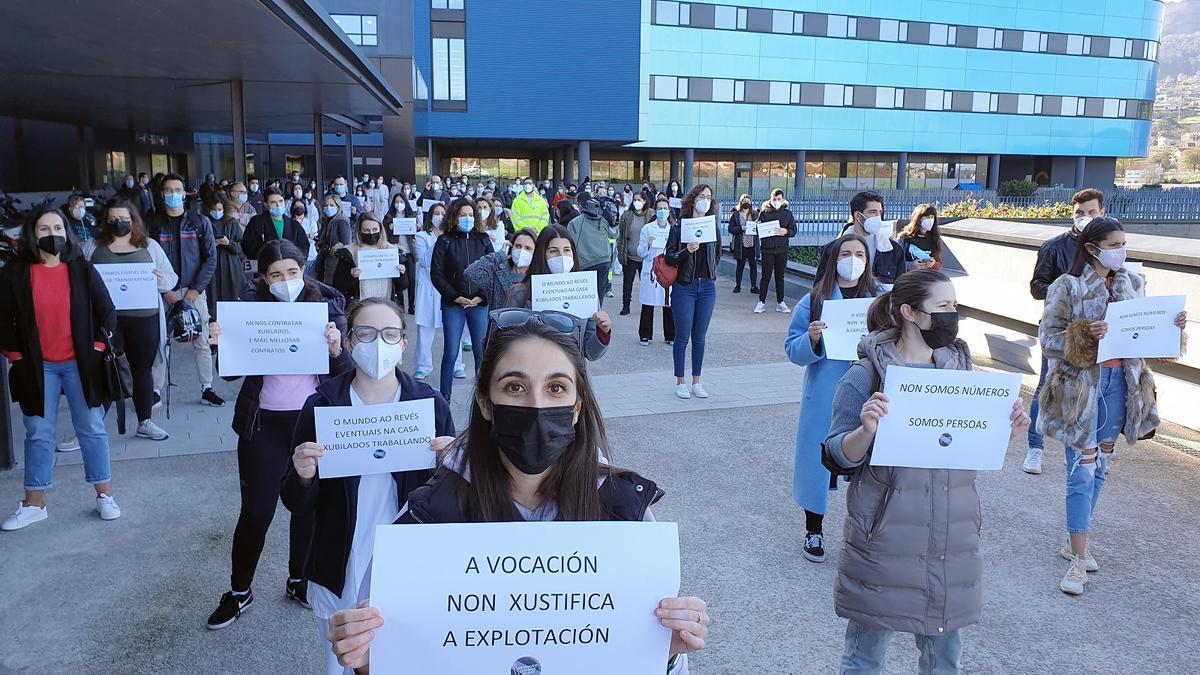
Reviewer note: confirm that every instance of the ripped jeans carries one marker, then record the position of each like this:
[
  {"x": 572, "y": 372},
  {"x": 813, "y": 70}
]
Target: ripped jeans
[{"x": 1084, "y": 481}]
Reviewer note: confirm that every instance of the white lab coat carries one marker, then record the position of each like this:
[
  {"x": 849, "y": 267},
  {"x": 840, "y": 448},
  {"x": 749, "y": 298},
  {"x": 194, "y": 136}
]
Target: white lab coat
[
  {"x": 429, "y": 301},
  {"x": 649, "y": 292}
]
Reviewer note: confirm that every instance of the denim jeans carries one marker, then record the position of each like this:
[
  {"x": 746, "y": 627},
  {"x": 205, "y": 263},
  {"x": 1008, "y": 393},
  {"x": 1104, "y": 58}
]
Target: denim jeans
[
  {"x": 866, "y": 650},
  {"x": 1035, "y": 439},
  {"x": 1085, "y": 481},
  {"x": 454, "y": 320},
  {"x": 692, "y": 308},
  {"x": 40, "y": 432}
]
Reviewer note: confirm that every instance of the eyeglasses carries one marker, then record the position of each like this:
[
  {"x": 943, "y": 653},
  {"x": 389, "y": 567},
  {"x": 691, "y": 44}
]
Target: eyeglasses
[
  {"x": 513, "y": 317},
  {"x": 391, "y": 335}
]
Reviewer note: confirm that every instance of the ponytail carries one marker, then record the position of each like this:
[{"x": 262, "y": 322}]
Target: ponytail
[
  {"x": 912, "y": 289},
  {"x": 879, "y": 315}
]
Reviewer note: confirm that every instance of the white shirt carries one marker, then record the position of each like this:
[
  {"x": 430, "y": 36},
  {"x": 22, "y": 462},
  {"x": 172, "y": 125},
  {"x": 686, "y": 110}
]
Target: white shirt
[{"x": 376, "y": 506}]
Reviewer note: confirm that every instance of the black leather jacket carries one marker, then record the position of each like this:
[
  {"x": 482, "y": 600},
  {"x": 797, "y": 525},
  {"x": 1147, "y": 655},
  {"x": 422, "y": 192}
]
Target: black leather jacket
[
  {"x": 452, "y": 254},
  {"x": 677, "y": 255},
  {"x": 1053, "y": 260}
]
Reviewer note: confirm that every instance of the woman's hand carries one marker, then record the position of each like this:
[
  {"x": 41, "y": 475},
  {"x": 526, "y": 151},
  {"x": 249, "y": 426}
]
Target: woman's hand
[
  {"x": 873, "y": 410},
  {"x": 304, "y": 460},
  {"x": 351, "y": 632},
  {"x": 474, "y": 302},
  {"x": 463, "y": 301},
  {"x": 1180, "y": 319},
  {"x": 1018, "y": 417},
  {"x": 814, "y": 332},
  {"x": 441, "y": 446},
  {"x": 401, "y": 268},
  {"x": 649, "y": 242},
  {"x": 693, "y": 247},
  {"x": 223, "y": 241},
  {"x": 603, "y": 321},
  {"x": 1098, "y": 329},
  {"x": 214, "y": 332},
  {"x": 333, "y": 336},
  {"x": 158, "y": 274},
  {"x": 355, "y": 272},
  {"x": 688, "y": 620}
]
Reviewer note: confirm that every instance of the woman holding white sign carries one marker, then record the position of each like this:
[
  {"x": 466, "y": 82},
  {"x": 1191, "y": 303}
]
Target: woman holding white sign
[
  {"x": 911, "y": 561},
  {"x": 264, "y": 417},
  {"x": 122, "y": 239},
  {"x": 429, "y": 301},
  {"x": 1086, "y": 405},
  {"x": 744, "y": 244},
  {"x": 694, "y": 294},
  {"x": 779, "y": 225},
  {"x": 530, "y": 455},
  {"x": 848, "y": 279},
  {"x": 346, "y": 510},
  {"x": 652, "y": 241},
  {"x": 464, "y": 307},
  {"x": 368, "y": 237}
]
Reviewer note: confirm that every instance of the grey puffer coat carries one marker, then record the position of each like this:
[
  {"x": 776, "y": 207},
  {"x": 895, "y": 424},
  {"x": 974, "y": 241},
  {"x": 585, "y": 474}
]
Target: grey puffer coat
[{"x": 911, "y": 560}]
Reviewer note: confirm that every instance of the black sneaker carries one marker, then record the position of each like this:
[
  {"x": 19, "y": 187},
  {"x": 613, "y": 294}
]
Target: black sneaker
[
  {"x": 624, "y": 311},
  {"x": 753, "y": 290},
  {"x": 670, "y": 343},
  {"x": 230, "y": 610},
  {"x": 737, "y": 289},
  {"x": 814, "y": 547},
  {"x": 298, "y": 591},
  {"x": 210, "y": 397}
]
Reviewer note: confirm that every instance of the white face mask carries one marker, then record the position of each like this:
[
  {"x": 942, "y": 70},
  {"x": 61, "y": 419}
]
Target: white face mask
[
  {"x": 1082, "y": 222},
  {"x": 437, "y": 221},
  {"x": 485, "y": 212},
  {"x": 851, "y": 268},
  {"x": 528, "y": 187},
  {"x": 1111, "y": 258},
  {"x": 873, "y": 224},
  {"x": 926, "y": 224},
  {"x": 521, "y": 258},
  {"x": 287, "y": 291},
  {"x": 702, "y": 206},
  {"x": 776, "y": 204},
  {"x": 561, "y": 264},
  {"x": 377, "y": 358},
  {"x": 638, "y": 205}
]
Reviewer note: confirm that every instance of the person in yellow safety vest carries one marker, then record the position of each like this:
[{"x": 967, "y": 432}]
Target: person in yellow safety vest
[{"x": 529, "y": 209}]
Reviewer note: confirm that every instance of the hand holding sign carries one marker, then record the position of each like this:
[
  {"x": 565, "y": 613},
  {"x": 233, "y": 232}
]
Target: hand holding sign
[{"x": 351, "y": 632}]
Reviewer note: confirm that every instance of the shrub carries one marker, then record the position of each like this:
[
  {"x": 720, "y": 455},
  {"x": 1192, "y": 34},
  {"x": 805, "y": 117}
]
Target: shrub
[
  {"x": 1018, "y": 188},
  {"x": 972, "y": 208},
  {"x": 805, "y": 255}
]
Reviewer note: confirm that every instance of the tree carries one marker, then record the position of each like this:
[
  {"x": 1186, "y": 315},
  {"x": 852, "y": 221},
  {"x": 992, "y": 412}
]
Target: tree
[{"x": 1190, "y": 160}]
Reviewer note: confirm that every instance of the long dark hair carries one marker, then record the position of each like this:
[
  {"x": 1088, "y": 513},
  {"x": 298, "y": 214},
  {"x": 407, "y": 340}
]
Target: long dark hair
[
  {"x": 456, "y": 207},
  {"x": 572, "y": 482},
  {"x": 912, "y": 289},
  {"x": 913, "y": 229},
  {"x": 538, "y": 264},
  {"x": 824, "y": 286},
  {"x": 274, "y": 251},
  {"x": 29, "y": 238},
  {"x": 137, "y": 236},
  {"x": 427, "y": 221},
  {"x": 1094, "y": 233}
]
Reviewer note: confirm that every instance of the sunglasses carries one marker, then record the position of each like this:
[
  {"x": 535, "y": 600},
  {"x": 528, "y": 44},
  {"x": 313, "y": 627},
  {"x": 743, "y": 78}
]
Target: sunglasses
[
  {"x": 513, "y": 317},
  {"x": 114, "y": 222}
]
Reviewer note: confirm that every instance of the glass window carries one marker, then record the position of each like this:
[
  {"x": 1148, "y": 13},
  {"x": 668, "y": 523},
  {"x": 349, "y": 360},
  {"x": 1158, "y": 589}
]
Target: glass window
[
  {"x": 848, "y": 97},
  {"x": 447, "y": 4},
  {"x": 441, "y": 69},
  {"x": 1112, "y": 107},
  {"x": 889, "y": 30},
  {"x": 834, "y": 94},
  {"x": 1031, "y": 41},
  {"x": 947, "y": 100},
  {"x": 664, "y": 87},
  {"x": 952, "y": 35},
  {"x": 361, "y": 29},
  {"x": 933, "y": 99},
  {"x": 781, "y": 21},
  {"x": 994, "y": 102},
  {"x": 798, "y": 24},
  {"x": 739, "y": 90},
  {"x": 986, "y": 38},
  {"x": 1122, "y": 109},
  {"x": 1074, "y": 44},
  {"x": 725, "y": 17},
  {"x": 1116, "y": 47},
  {"x": 980, "y": 102},
  {"x": 1037, "y": 105},
  {"x": 682, "y": 88},
  {"x": 885, "y": 97},
  {"x": 938, "y": 33},
  {"x": 852, "y": 27},
  {"x": 1070, "y": 105},
  {"x": 904, "y": 31},
  {"x": 1025, "y": 104},
  {"x": 741, "y": 18},
  {"x": 458, "y": 69},
  {"x": 667, "y": 13},
  {"x": 795, "y": 93},
  {"x": 837, "y": 26},
  {"x": 1087, "y": 45},
  {"x": 722, "y": 91}
]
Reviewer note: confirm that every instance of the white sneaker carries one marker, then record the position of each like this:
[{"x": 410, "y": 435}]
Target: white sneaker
[
  {"x": 421, "y": 375},
  {"x": 25, "y": 515},
  {"x": 682, "y": 391},
  {"x": 152, "y": 431},
  {"x": 107, "y": 507},
  {"x": 69, "y": 443},
  {"x": 698, "y": 391},
  {"x": 1089, "y": 563},
  {"x": 1075, "y": 578},
  {"x": 758, "y": 309},
  {"x": 782, "y": 308},
  {"x": 1033, "y": 461},
  {"x": 460, "y": 373}
]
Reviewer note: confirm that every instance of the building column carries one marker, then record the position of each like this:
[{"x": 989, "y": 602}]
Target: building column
[
  {"x": 349, "y": 155},
  {"x": 85, "y": 139},
  {"x": 801, "y": 172},
  {"x": 569, "y": 166},
  {"x": 432, "y": 158},
  {"x": 674, "y": 174},
  {"x": 993, "y": 172},
  {"x": 585, "y": 159},
  {"x": 902, "y": 171},
  {"x": 1080, "y": 168},
  {"x": 645, "y": 170},
  {"x": 319, "y": 150},
  {"x": 238, "y": 109},
  {"x": 689, "y": 169}
]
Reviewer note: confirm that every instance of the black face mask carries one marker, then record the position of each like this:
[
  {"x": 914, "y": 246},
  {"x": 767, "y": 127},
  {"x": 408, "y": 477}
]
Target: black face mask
[
  {"x": 942, "y": 331},
  {"x": 533, "y": 439},
  {"x": 120, "y": 227},
  {"x": 370, "y": 239},
  {"x": 52, "y": 244}
]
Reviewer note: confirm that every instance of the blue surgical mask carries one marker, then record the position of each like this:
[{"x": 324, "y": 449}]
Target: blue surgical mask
[
  {"x": 173, "y": 200},
  {"x": 340, "y": 189},
  {"x": 276, "y": 211},
  {"x": 216, "y": 215},
  {"x": 243, "y": 198},
  {"x": 331, "y": 211},
  {"x": 466, "y": 223},
  {"x": 663, "y": 214}
]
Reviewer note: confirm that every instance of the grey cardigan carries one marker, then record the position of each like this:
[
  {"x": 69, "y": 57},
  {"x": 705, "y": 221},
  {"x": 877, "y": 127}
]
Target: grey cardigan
[{"x": 911, "y": 558}]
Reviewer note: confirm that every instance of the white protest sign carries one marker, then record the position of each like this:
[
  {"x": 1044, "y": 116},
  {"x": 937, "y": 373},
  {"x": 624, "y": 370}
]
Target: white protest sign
[
  {"x": 675, "y": 203},
  {"x": 412, "y": 204},
  {"x": 498, "y": 239},
  {"x": 361, "y": 440},
  {"x": 527, "y": 597},
  {"x": 945, "y": 419},
  {"x": 1143, "y": 328},
  {"x": 429, "y": 204},
  {"x": 751, "y": 227},
  {"x": 404, "y": 226},
  {"x": 273, "y": 338},
  {"x": 573, "y": 293},
  {"x": 698, "y": 230},
  {"x": 378, "y": 263},
  {"x": 131, "y": 285},
  {"x": 660, "y": 235},
  {"x": 846, "y": 326},
  {"x": 768, "y": 229}
]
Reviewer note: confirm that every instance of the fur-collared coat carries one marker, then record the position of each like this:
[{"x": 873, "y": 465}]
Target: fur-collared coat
[{"x": 1068, "y": 401}]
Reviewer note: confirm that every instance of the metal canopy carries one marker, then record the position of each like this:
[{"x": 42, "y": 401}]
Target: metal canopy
[{"x": 165, "y": 66}]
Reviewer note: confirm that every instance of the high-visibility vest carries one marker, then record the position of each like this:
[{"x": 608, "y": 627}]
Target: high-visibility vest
[{"x": 530, "y": 210}]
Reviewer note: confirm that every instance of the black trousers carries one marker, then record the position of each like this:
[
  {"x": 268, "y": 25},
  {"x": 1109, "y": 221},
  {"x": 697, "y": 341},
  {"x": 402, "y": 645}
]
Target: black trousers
[
  {"x": 630, "y": 272},
  {"x": 646, "y": 324},
  {"x": 141, "y": 336},
  {"x": 410, "y": 267},
  {"x": 774, "y": 263},
  {"x": 262, "y": 463},
  {"x": 746, "y": 255}
]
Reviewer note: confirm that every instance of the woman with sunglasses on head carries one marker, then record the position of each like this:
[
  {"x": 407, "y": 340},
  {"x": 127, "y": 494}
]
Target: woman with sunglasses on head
[
  {"x": 533, "y": 385},
  {"x": 264, "y": 417},
  {"x": 464, "y": 306},
  {"x": 122, "y": 239},
  {"x": 555, "y": 254},
  {"x": 346, "y": 510}
]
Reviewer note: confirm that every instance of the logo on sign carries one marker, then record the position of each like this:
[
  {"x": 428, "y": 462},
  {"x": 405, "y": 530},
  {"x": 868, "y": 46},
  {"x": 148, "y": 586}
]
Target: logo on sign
[
  {"x": 566, "y": 305},
  {"x": 699, "y": 233},
  {"x": 380, "y": 453},
  {"x": 1135, "y": 335},
  {"x": 125, "y": 287},
  {"x": 945, "y": 440},
  {"x": 294, "y": 348},
  {"x": 526, "y": 665}
]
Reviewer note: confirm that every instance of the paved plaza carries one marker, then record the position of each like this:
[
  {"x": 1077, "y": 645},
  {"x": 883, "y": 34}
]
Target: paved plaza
[{"x": 132, "y": 595}]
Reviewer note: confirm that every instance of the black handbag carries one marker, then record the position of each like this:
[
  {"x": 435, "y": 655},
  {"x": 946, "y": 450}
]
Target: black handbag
[{"x": 118, "y": 378}]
